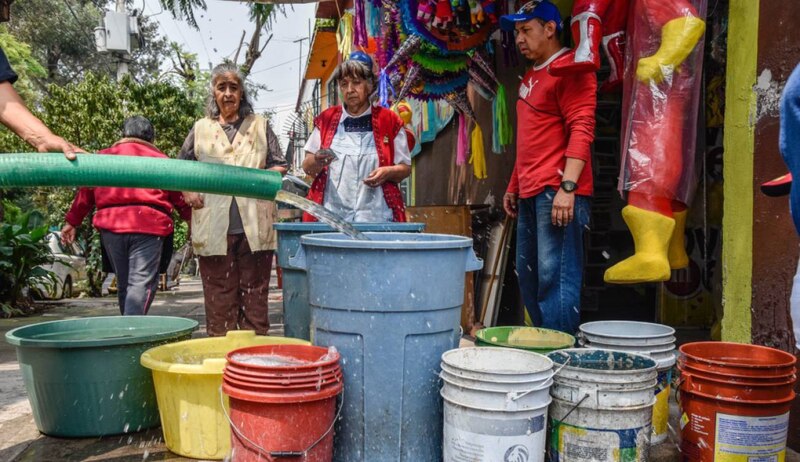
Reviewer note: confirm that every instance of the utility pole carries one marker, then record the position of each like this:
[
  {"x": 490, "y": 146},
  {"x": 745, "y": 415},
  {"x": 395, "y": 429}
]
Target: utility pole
[
  {"x": 300, "y": 60},
  {"x": 122, "y": 65}
]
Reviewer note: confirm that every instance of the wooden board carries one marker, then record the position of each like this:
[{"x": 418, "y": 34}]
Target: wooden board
[{"x": 494, "y": 268}]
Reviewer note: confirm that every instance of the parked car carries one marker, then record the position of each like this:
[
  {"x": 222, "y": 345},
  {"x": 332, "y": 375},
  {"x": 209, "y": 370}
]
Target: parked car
[{"x": 69, "y": 268}]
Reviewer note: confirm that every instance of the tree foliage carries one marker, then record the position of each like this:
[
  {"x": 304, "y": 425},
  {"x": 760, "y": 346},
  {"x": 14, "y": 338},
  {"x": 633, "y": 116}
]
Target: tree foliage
[
  {"x": 90, "y": 112},
  {"x": 24, "y": 64},
  {"x": 23, "y": 250}
]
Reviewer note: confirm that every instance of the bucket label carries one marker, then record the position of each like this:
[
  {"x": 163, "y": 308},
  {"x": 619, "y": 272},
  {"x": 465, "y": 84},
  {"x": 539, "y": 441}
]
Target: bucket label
[
  {"x": 461, "y": 445},
  {"x": 570, "y": 443},
  {"x": 661, "y": 408},
  {"x": 751, "y": 439}
]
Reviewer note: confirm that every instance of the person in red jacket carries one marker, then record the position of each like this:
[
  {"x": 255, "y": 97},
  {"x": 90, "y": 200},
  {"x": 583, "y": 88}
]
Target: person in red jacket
[
  {"x": 358, "y": 153},
  {"x": 133, "y": 222},
  {"x": 551, "y": 185}
]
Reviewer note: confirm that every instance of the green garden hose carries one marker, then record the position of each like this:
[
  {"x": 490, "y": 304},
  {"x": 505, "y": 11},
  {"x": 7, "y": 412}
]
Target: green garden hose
[{"x": 33, "y": 170}]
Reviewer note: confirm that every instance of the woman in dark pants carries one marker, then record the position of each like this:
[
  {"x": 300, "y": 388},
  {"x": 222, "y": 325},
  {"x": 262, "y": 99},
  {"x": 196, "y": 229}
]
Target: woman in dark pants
[{"x": 233, "y": 236}]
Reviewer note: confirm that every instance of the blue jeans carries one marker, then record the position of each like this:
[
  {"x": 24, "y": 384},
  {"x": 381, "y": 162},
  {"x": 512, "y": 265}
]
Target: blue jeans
[{"x": 550, "y": 261}]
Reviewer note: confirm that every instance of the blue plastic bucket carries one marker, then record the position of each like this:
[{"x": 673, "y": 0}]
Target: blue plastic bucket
[
  {"x": 391, "y": 306},
  {"x": 296, "y": 310}
]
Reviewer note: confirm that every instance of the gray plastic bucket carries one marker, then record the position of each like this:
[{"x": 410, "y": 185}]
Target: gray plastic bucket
[
  {"x": 654, "y": 340},
  {"x": 391, "y": 305},
  {"x": 296, "y": 309},
  {"x": 488, "y": 417},
  {"x": 602, "y": 405}
]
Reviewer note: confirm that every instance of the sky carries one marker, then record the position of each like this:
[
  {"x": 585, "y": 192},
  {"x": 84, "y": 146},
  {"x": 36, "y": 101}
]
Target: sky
[{"x": 221, "y": 29}]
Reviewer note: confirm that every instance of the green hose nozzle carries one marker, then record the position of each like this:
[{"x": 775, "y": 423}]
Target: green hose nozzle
[{"x": 33, "y": 170}]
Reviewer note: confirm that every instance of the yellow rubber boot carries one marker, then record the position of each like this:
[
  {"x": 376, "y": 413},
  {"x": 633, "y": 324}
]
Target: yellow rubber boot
[
  {"x": 677, "y": 245},
  {"x": 651, "y": 233}
]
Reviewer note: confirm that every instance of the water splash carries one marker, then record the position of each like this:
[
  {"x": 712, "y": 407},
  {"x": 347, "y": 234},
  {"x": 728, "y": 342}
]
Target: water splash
[{"x": 320, "y": 213}]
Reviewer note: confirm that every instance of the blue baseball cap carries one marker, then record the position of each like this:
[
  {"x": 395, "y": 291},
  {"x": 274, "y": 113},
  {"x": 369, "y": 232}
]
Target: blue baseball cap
[
  {"x": 536, "y": 9},
  {"x": 361, "y": 57}
]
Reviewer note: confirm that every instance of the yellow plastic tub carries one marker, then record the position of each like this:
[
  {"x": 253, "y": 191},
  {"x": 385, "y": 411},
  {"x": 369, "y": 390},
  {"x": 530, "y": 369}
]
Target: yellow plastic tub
[{"x": 187, "y": 377}]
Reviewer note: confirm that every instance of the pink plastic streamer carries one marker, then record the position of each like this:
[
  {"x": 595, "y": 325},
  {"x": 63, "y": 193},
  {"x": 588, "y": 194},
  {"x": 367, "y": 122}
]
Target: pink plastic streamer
[
  {"x": 461, "y": 148},
  {"x": 360, "y": 26}
]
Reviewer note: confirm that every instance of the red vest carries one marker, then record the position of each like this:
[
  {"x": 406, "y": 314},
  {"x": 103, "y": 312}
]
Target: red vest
[{"x": 385, "y": 126}]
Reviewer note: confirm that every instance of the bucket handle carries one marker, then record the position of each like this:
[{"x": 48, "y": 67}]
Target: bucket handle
[
  {"x": 298, "y": 260},
  {"x": 473, "y": 262},
  {"x": 557, "y": 423},
  {"x": 270, "y": 455},
  {"x": 513, "y": 396}
]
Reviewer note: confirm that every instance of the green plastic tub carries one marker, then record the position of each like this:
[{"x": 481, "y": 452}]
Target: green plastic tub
[
  {"x": 83, "y": 376},
  {"x": 524, "y": 338}
]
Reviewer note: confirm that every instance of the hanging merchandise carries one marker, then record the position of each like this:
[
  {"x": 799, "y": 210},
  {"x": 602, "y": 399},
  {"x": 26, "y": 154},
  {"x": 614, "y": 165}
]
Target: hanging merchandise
[
  {"x": 344, "y": 35},
  {"x": 360, "y": 24},
  {"x": 430, "y": 50},
  {"x": 478, "y": 158},
  {"x": 503, "y": 131},
  {"x": 461, "y": 145}
]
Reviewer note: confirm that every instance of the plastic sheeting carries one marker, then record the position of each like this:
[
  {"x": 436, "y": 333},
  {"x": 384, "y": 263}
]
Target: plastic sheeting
[{"x": 663, "y": 77}]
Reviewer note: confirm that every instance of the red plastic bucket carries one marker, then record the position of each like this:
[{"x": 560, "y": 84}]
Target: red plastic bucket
[
  {"x": 283, "y": 423},
  {"x": 283, "y": 381},
  {"x": 738, "y": 359},
  {"x": 701, "y": 372},
  {"x": 736, "y": 416},
  {"x": 272, "y": 387}
]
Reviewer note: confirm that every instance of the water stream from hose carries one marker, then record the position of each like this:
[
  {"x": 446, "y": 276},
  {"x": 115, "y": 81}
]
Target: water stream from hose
[{"x": 320, "y": 213}]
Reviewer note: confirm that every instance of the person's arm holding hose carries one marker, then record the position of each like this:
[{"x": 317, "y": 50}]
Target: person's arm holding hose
[{"x": 16, "y": 116}]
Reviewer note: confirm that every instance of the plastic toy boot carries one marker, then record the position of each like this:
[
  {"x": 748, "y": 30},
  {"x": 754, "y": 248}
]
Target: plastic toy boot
[
  {"x": 651, "y": 233},
  {"x": 677, "y": 245}
]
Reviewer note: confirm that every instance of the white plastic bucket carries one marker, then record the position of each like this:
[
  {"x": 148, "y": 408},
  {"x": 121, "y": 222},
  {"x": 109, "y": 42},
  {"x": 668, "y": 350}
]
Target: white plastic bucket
[
  {"x": 495, "y": 404},
  {"x": 496, "y": 400},
  {"x": 627, "y": 333},
  {"x": 503, "y": 365},
  {"x": 654, "y": 340},
  {"x": 602, "y": 405}
]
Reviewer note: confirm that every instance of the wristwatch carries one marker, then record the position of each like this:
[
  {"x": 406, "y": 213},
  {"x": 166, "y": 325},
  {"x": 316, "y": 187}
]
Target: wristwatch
[{"x": 569, "y": 186}]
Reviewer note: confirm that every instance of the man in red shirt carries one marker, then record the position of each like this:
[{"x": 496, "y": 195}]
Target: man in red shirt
[
  {"x": 133, "y": 222},
  {"x": 551, "y": 185}
]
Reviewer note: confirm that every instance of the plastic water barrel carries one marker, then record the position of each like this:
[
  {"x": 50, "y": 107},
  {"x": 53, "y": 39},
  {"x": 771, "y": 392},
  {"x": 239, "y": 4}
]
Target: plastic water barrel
[
  {"x": 391, "y": 305},
  {"x": 296, "y": 310}
]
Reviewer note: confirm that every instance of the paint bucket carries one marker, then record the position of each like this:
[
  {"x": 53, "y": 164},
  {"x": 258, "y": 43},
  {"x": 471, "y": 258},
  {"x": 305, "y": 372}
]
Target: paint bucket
[
  {"x": 275, "y": 422},
  {"x": 654, "y": 340},
  {"x": 602, "y": 405},
  {"x": 739, "y": 416},
  {"x": 491, "y": 413}
]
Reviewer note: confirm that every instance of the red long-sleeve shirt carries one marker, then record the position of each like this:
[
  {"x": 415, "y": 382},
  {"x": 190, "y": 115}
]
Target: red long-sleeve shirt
[
  {"x": 555, "y": 120},
  {"x": 129, "y": 210}
]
